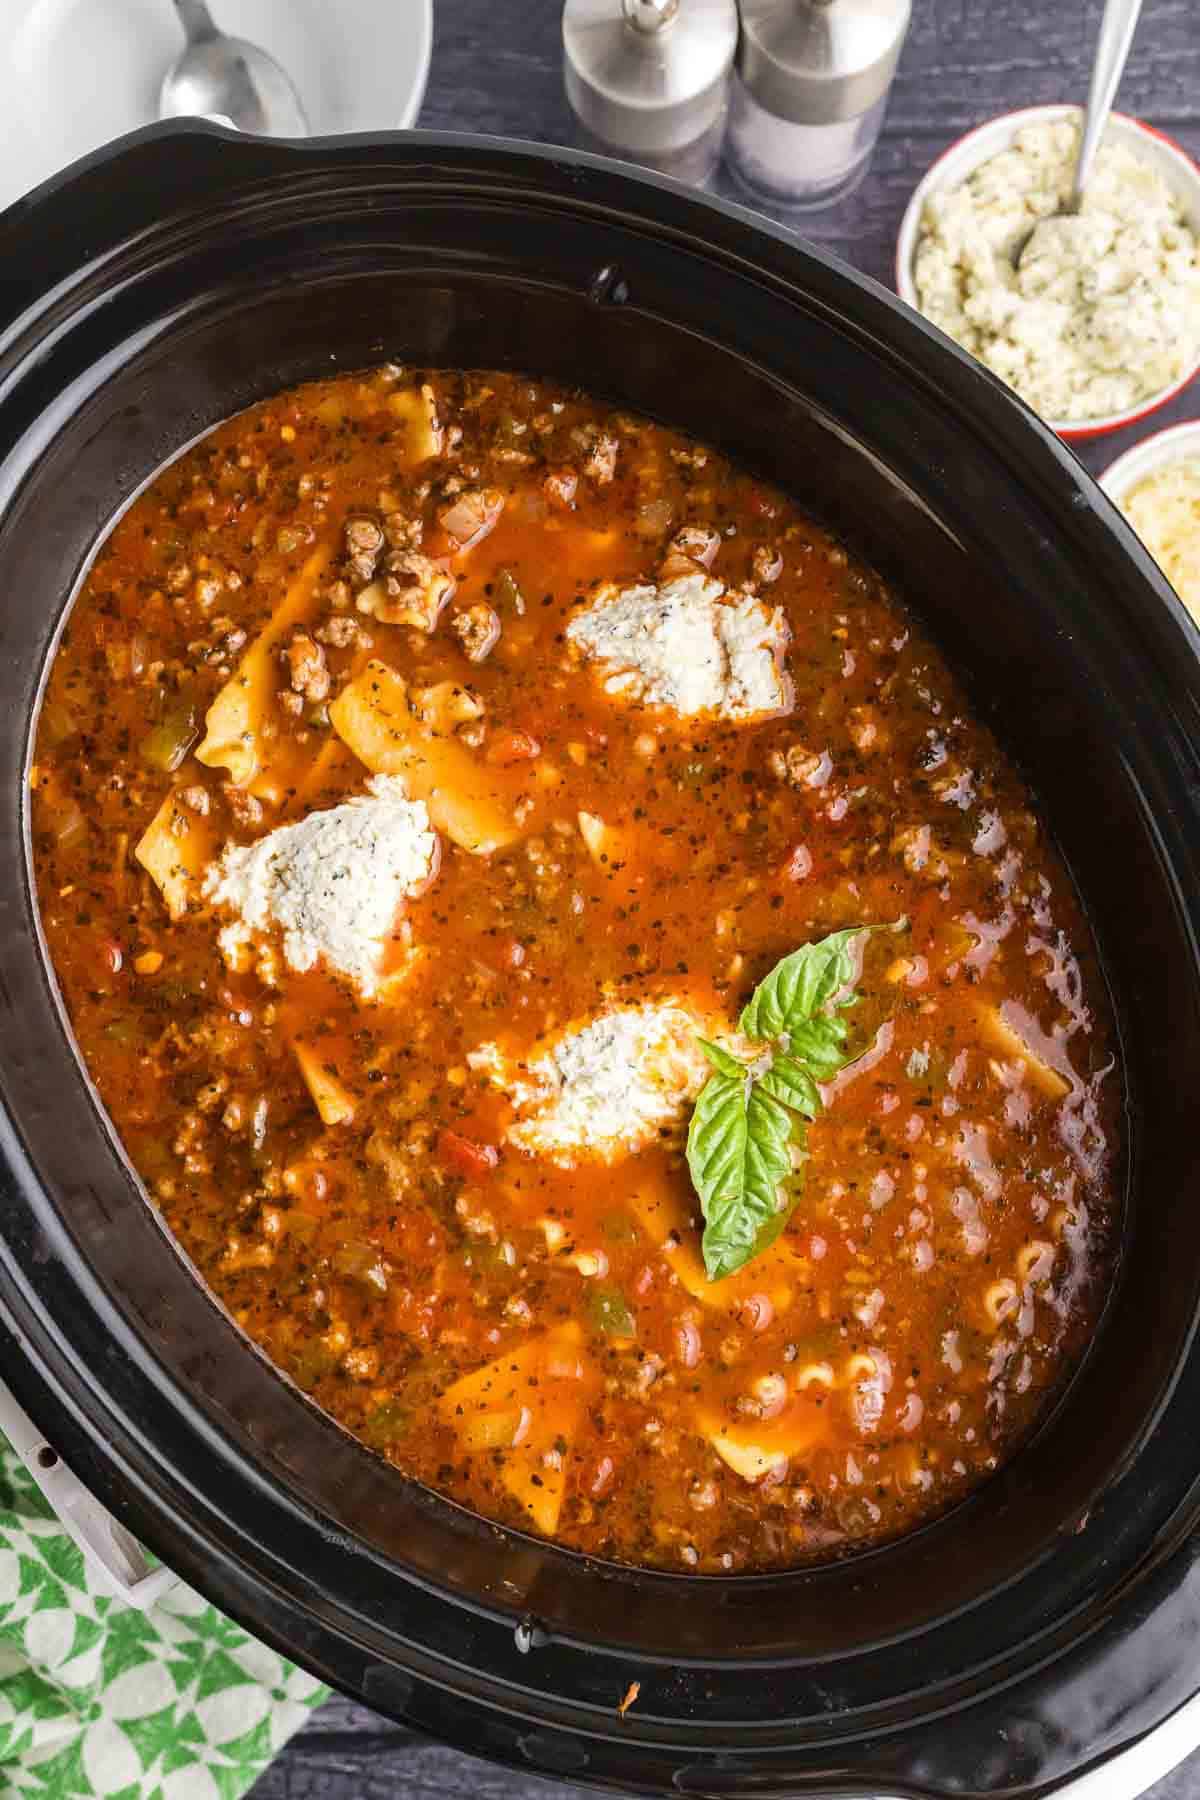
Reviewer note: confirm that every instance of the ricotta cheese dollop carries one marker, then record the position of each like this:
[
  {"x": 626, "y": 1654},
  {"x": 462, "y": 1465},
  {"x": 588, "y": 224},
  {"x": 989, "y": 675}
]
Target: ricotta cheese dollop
[
  {"x": 332, "y": 883},
  {"x": 1102, "y": 309},
  {"x": 606, "y": 1089},
  {"x": 688, "y": 647}
]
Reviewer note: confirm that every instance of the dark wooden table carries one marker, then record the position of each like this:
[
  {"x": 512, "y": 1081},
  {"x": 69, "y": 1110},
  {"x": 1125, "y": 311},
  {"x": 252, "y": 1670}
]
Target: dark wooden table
[{"x": 496, "y": 68}]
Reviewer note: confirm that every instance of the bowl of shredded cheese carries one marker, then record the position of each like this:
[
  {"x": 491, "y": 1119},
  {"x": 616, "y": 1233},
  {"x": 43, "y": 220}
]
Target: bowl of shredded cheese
[
  {"x": 1097, "y": 323},
  {"x": 1157, "y": 487}
]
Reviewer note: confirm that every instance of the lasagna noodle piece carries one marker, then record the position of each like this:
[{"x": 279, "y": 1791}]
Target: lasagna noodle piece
[
  {"x": 374, "y": 718},
  {"x": 523, "y": 1412},
  {"x": 332, "y": 882},
  {"x": 754, "y": 1449},
  {"x": 175, "y": 849},
  {"x": 689, "y": 648},
  {"x": 234, "y": 736},
  {"x": 606, "y": 1089}
]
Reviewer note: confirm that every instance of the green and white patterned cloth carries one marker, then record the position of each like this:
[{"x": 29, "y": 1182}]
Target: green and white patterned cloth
[{"x": 97, "y": 1698}]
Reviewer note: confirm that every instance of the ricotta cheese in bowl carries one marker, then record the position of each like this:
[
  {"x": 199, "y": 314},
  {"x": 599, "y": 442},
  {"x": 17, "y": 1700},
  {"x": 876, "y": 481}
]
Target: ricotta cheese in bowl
[{"x": 1101, "y": 316}]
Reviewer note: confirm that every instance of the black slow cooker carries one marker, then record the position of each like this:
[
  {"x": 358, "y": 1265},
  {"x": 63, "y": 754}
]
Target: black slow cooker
[{"x": 1051, "y": 1619}]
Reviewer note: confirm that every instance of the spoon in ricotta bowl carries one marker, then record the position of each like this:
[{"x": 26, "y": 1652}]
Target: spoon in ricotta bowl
[{"x": 1117, "y": 27}]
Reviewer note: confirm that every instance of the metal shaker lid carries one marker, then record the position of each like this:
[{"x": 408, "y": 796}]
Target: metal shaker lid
[
  {"x": 815, "y": 62},
  {"x": 648, "y": 76}
]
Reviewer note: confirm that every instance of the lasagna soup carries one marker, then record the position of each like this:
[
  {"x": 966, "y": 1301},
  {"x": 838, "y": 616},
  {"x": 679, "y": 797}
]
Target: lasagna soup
[{"x": 573, "y": 975}]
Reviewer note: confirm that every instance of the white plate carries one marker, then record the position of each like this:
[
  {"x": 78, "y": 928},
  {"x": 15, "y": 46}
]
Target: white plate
[{"x": 76, "y": 73}]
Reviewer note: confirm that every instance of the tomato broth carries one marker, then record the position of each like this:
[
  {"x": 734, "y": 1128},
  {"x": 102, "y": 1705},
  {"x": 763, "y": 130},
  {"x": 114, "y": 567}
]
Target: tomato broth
[{"x": 439, "y": 1171}]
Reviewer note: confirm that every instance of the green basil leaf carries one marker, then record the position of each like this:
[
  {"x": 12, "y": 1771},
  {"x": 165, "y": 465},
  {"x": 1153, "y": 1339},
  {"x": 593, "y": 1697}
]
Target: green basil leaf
[
  {"x": 793, "y": 1085},
  {"x": 820, "y": 1045},
  {"x": 747, "y": 1124},
  {"x": 738, "y": 1155},
  {"x": 799, "y": 986},
  {"x": 722, "y": 1060}
]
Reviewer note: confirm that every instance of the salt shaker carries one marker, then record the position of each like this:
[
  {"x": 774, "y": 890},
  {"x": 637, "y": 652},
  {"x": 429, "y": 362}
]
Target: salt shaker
[
  {"x": 809, "y": 95},
  {"x": 649, "y": 79}
]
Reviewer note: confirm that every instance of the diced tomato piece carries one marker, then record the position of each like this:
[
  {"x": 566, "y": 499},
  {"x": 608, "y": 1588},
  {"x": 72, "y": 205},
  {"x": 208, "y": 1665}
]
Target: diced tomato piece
[
  {"x": 508, "y": 747},
  {"x": 465, "y": 1156}
]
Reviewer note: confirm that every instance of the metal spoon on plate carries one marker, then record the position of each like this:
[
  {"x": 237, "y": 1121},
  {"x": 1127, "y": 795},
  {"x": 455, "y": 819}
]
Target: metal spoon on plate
[
  {"x": 228, "y": 79},
  {"x": 1112, "y": 48}
]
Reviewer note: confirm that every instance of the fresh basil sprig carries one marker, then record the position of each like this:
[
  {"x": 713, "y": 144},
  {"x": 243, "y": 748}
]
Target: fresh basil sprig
[{"x": 748, "y": 1123}]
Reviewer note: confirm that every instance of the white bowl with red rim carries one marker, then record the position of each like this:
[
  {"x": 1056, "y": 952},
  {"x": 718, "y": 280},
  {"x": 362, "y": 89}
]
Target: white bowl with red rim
[{"x": 954, "y": 166}]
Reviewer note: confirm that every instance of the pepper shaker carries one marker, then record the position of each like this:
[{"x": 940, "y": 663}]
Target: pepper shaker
[
  {"x": 809, "y": 95},
  {"x": 649, "y": 80}
]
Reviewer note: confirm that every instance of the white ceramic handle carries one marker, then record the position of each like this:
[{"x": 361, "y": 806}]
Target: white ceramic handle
[
  {"x": 1112, "y": 48},
  {"x": 116, "y": 1559}
]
